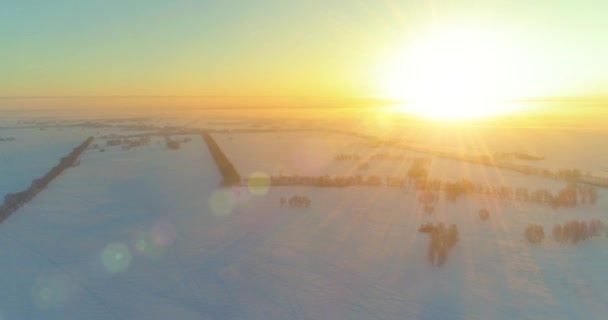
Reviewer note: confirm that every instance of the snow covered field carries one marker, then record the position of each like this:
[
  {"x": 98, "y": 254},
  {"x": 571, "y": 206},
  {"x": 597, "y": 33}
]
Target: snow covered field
[
  {"x": 563, "y": 148},
  {"x": 314, "y": 153},
  {"x": 33, "y": 153},
  {"x": 146, "y": 234}
]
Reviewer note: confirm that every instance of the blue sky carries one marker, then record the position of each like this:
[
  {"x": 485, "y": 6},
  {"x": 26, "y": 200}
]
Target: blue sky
[{"x": 272, "y": 47}]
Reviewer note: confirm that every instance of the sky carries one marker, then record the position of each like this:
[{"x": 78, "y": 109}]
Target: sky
[{"x": 276, "y": 48}]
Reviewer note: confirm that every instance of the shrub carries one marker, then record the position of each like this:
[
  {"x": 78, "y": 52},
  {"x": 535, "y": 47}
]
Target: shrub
[
  {"x": 534, "y": 233},
  {"x": 173, "y": 144},
  {"x": 596, "y": 228},
  {"x": 484, "y": 214},
  {"x": 576, "y": 231}
]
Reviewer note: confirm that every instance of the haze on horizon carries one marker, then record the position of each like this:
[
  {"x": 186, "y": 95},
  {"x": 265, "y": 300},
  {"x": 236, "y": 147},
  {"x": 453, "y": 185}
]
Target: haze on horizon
[{"x": 325, "y": 52}]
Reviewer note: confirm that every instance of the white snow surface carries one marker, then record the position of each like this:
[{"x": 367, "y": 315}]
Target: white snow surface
[
  {"x": 32, "y": 154},
  {"x": 147, "y": 234},
  {"x": 313, "y": 153}
]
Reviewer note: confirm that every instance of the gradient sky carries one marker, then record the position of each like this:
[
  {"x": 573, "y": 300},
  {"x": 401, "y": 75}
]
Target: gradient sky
[{"x": 282, "y": 48}]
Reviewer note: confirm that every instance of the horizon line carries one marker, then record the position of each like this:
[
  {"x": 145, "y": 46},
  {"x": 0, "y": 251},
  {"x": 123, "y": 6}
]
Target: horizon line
[{"x": 555, "y": 98}]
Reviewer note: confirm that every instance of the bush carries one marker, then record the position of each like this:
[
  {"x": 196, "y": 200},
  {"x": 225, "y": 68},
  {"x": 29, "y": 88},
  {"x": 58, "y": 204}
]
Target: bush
[
  {"x": 596, "y": 228},
  {"x": 484, "y": 214},
  {"x": 577, "y": 231},
  {"x": 173, "y": 144},
  {"x": 534, "y": 233}
]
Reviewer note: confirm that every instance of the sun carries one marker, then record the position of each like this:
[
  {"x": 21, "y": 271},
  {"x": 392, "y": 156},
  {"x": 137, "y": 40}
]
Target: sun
[{"x": 452, "y": 74}]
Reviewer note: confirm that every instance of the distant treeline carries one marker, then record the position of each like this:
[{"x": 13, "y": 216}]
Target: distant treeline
[
  {"x": 230, "y": 176},
  {"x": 7, "y": 139},
  {"x": 14, "y": 201},
  {"x": 571, "y": 232},
  {"x": 571, "y": 195},
  {"x": 517, "y": 155},
  {"x": 574, "y": 175},
  {"x": 376, "y": 157},
  {"x": 319, "y": 181}
]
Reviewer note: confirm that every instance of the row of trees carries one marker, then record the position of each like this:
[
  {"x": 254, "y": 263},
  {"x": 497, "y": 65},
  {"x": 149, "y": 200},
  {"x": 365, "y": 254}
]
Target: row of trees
[
  {"x": 347, "y": 157},
  {"x": 571, "y": 195},
  {"x": 7, "y": 139},
  {"x": 571, "y": 232},
  {"x": 175, "y": 144},
  {"x": 122, "y": 136},
  {"x": 534, "y": 233},
  {"x": 388, "y": 157},
  {"x": 517, "y": 155},
  {"x": 14, "y": 201},
  {"x": 324, "y": 181},
  {"x": 376, "y": 157},
  {"x": 576, "y": 231},
  {"x": 230, "y": 176},
  {"x": 127, "y": 143}
]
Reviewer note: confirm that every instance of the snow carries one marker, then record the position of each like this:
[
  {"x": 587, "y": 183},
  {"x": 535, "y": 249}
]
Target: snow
[
  {"x": 563, "y": 148},
  {"x": 313, "y": 153},
  {"x": 32, "y": 154},
  {"x": 147, "y": 234}
]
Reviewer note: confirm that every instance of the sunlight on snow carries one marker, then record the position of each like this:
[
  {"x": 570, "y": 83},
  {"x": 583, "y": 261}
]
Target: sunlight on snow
[
  {"x": 241, "y": 195},
  {"x": 309, "y": 162},
  {"x": 259, "y": 183}
]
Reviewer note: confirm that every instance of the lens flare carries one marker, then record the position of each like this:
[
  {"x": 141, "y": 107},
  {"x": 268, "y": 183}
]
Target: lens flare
[
  {"x": 222, "y": 202},
  {"x": 259, "y": 183},
  {"x": 116, "y": 257},
  {"x": 51, "y": 292}
]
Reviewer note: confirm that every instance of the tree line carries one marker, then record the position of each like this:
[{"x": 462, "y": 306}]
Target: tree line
[
  {"x": 127, "y": 143},
  {"x": 571, "y": 195},
  {"x": 571, "y": 232},
  {"x": 296, "y": 201},
  {"x": 14, "y": 201},
  {"x": 575, "y": 231},
  {"x": 376, "y": 157},
  {"x": 230, "y": 176},
  {"x": 322, "y": 181}
]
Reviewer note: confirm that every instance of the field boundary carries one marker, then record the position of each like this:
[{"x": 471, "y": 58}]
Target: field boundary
[
  {"x": 484, "y": 160},
  {"x": 230, "y": 177},
  {"x": 479, "y": 160},
  {"x": 14, "y": 201}
]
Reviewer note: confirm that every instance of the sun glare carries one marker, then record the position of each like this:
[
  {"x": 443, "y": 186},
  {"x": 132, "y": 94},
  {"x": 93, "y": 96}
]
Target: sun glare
[{"x": 449, "y": 75}]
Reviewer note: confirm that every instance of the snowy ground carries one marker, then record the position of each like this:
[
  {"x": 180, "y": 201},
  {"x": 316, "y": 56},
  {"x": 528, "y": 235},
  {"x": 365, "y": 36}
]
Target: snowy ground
[
  {"x": 147, "y": 234},
  {"x": 314, "y": 153},
  {"x": 563, "y": 148},
  {"x": 32, "y": 154}
]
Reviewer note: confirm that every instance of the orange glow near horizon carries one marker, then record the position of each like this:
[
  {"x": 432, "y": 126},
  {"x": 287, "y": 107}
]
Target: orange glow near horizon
[{"x": 453, "y": 74}]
